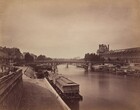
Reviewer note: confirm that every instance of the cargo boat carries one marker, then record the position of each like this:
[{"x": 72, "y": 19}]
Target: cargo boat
[{"x": 67, "y": 89}]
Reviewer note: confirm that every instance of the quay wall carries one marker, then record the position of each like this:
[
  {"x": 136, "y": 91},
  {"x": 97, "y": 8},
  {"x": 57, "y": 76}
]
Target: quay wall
[
  {"x": 64, "y": 105},
  {"x": 11, "y": 87}
]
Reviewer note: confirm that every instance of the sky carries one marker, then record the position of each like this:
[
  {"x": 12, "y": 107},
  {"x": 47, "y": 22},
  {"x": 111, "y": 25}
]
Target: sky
[{"x": 69, "y": 28}]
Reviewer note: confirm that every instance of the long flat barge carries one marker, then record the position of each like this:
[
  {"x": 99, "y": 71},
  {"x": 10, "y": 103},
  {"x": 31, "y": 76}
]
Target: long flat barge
[{"x": 67, "y": 89}]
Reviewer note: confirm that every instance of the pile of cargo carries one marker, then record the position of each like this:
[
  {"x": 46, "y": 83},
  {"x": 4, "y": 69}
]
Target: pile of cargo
[
  {"x": 117, "y": 69},
  {"x": 41, "y": 71}
]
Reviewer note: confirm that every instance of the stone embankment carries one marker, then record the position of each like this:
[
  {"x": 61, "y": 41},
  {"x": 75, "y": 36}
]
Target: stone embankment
[
  {"x": 37, "y": 95},
  {"x": 21, "y": 90},
  {"x": 11, "y": 87}
]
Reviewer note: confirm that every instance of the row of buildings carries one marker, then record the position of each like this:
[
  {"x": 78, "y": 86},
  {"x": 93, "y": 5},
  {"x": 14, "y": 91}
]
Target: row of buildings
[{"x": 129, "y": 55}]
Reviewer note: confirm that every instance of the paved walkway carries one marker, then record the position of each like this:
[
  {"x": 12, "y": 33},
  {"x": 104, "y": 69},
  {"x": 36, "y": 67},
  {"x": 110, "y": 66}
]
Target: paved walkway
[{"x": 37, "y": 95}]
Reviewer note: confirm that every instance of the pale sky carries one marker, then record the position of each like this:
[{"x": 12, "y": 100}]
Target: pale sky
[{"x": 69, "y": 28}]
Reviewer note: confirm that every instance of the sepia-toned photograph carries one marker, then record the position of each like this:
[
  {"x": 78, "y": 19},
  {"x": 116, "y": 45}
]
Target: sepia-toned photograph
[{"x": 69, "y": 54}]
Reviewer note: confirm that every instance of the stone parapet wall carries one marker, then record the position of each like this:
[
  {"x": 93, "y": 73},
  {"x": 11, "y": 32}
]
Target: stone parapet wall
[{"x": 11, "y": 87}]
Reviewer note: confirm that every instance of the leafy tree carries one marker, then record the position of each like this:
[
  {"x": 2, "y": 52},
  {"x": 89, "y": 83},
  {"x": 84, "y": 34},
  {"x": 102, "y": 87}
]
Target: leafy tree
[
  {"x": 92, "y": 57},
  {"x": 29, "y": 57},
  {"x": 41, "y": 57}
]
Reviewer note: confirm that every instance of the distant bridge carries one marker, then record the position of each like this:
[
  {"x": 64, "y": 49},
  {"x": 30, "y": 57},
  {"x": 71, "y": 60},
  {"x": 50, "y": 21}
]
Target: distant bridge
[
  {"x": 60, "y": 61},
  {"x": 82, "y": 63},
  {"x": 71, "y": 61}
]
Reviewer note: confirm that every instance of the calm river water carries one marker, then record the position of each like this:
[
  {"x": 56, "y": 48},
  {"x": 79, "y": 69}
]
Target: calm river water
[{"x": 102, "y": 91}]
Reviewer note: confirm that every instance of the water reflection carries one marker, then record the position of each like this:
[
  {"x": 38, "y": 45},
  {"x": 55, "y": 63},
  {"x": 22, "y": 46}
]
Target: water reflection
[
  {"x": 74, "y": 105},
  {"x": 102, "y": 91},
  {"x": 102, "y": 83}
]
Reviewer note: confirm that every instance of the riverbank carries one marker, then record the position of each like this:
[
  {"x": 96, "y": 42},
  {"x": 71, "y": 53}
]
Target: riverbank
[
  {"x": 126, "y": 70},
  {"x": 37, "y": 95}
]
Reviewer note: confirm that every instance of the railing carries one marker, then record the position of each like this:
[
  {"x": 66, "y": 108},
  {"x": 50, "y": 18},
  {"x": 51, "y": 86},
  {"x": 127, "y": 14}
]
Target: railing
[{"x": 7, "y": 84}]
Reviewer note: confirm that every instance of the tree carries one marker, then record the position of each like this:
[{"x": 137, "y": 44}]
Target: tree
[
  {"x": 29, "y": 57},
  {"x": 41, "y": 57},
  {"x": 92, "y": 57},
  {"x": 87, "y": 57}
]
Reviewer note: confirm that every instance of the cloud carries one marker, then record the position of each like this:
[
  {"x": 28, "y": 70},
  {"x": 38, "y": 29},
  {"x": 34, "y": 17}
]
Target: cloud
[{"x": 70, "y": 28}]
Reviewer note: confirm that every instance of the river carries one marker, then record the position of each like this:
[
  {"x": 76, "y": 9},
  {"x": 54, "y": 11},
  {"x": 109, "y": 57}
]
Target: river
[{"x": 103, "y": 91}]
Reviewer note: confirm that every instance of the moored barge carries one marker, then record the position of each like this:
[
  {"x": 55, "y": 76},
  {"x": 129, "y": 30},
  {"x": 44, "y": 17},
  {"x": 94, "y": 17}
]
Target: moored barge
[{"x": 67, "y": 89}]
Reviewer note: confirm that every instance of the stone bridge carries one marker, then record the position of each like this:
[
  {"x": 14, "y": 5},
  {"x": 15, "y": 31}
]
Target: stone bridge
[{"x": 82, "y": 62}]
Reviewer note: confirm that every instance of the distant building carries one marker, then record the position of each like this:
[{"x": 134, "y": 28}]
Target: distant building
[
  {"x": 129, "y": 54},
  {"x": 102, "y": 49}
]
